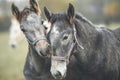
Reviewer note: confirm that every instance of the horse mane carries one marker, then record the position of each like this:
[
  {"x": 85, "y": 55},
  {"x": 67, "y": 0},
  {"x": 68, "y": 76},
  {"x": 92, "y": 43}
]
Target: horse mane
[
  {"x": 83, "y": 19},
  {"x": 117, "y": 33},
  {"x": 25, "y": 12},
  {"x": 61, "y": 16},
  {"x": 84, "y": 27},
  {"x": 102, "y": 43}
]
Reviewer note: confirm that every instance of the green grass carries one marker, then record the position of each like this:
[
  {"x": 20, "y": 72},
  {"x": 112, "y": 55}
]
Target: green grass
[{"x": 11, "y": 60}]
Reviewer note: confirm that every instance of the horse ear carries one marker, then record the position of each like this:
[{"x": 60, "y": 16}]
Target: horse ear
[
  {"x": 71, "y": 13},
  {"x": 47, "y": 13},
  {"x": 15, "y": 11},
  {"x": 34, "y": 5}
]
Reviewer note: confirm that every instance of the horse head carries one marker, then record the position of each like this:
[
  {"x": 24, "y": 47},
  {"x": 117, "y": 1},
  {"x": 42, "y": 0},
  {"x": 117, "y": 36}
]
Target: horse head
[
  {"x": 31, "y": 26},
  {"x": 62, "y": 41},
  {"x": 15, "y": 34}
]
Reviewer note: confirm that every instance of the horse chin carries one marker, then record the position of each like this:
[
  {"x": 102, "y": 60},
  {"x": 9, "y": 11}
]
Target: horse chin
[
  {"x": 40, "y": 52},
  {"x": 58, "y": 69},
  {"x": 58, "y": 78}
]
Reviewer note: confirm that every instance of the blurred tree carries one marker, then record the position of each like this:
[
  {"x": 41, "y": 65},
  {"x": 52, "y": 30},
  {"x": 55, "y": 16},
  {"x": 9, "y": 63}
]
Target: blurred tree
[
  {"x": 99, "y": 10},
  {"x": 111, "y": 11},
  {"x": 5, "y": 12},
  {"x": 92, "y": 9},
  {"x": 55, "y": 5}
]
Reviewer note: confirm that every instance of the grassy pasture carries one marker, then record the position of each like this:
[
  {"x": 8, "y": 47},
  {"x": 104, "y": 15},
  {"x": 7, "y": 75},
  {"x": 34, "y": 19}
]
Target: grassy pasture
[{"x": 11, "y": 60}]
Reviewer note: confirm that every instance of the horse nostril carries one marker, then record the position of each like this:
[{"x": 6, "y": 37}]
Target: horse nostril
[
  {"x": 13, "y": 46},
  {"x": 58, "y": 75},
  {"x": 48, "y": 45},
  {"x": 46, "y": 52}
]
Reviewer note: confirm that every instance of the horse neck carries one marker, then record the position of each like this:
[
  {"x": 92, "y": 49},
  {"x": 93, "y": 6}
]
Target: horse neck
[
  {"x": 86, "y": 35},
  {"x": 36, "y": 60}
]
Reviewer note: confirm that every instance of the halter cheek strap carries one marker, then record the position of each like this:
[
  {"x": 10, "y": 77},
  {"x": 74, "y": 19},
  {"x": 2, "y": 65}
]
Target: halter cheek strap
[
  {"x": 70, "y": 52},
  {"x": 38, "y": 39},
  {"x": 80, "y": 45}
]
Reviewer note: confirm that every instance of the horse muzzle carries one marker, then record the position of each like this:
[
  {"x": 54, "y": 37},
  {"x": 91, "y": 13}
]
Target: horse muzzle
[
  {"x": 42, "y": 47},
  {"x": 58, "y": 69}
]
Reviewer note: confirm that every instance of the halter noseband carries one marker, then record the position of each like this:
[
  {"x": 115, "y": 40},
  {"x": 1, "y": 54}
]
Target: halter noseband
[
  {"x": 33, "y": 43},
  {"x": 80, "y": 45},
  {"x": 66, "y": 58}
]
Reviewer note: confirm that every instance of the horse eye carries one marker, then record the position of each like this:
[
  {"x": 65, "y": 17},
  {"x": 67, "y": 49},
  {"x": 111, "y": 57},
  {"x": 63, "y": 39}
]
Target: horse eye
[
  {"x": 45, "y": 27},
  {"x": 62, "y": 61},
  {"x": 28, "y": 12},
  {"x": 23, "y": 30},
  {"x": 65, "y": 37}
]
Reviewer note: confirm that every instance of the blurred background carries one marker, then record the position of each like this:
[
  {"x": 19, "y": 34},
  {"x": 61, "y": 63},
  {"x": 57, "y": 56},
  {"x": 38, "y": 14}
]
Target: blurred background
[{"x": 12, "y": 58}]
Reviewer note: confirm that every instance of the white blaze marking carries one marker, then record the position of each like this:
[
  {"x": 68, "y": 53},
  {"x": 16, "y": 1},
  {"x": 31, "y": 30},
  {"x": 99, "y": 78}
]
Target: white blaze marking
[
  {"x": 58, "y": 66},
  {"x": 47, "y": 25},
  {"x": 55, "y": 30}
]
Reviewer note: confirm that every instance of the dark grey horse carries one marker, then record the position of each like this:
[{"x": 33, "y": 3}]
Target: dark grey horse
[{"x": 96, "y": 49}]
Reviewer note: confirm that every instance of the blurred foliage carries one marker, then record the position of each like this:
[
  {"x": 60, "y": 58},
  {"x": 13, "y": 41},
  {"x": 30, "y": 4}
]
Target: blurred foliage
[
  {"x": 55, "y": 5},
  {"x": 112, "y": 9},
  {"x": 95, "y": 10},
  {"x": 4, "y": 24},
  {"x": 100, "y": 10},
  {"x": 11, "y": 60}
]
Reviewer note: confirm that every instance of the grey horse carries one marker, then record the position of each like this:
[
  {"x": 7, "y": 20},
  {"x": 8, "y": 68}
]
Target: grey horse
[
  {"x": 36, "y": 66},
  {"x": 97, "y": 49}
]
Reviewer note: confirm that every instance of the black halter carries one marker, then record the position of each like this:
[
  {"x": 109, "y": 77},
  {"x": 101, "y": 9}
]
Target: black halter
[{"x": 33, "y": 43}]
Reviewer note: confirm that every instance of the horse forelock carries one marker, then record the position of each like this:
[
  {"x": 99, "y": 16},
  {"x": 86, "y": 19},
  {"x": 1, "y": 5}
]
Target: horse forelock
[
  {"x": 64, "y": 17},
  {"x": 83, "y": 19},
  {"x": 58, "y": 17},
  {"x": 25, "y": 13}
]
